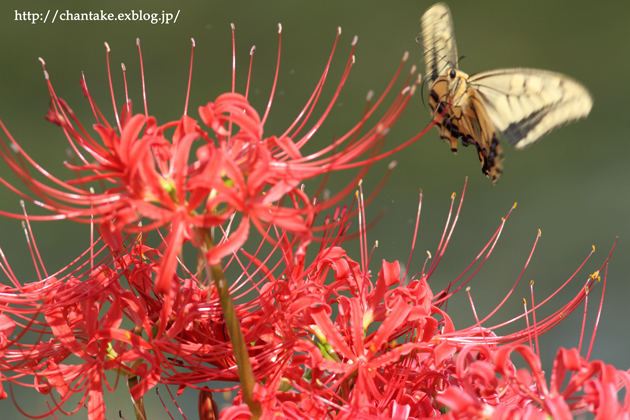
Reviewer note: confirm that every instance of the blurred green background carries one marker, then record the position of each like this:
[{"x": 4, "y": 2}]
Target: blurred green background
[{"x": 573, "y": 185}]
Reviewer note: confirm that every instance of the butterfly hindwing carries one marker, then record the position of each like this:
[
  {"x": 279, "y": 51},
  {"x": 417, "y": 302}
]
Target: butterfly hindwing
[
  {"x": 470, "y": 123},
  {"x": 485, "y": 136}
]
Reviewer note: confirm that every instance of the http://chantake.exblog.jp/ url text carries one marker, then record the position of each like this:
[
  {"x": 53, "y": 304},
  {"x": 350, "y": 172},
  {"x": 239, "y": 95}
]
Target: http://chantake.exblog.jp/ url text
[{"x": 163, "y": 18}]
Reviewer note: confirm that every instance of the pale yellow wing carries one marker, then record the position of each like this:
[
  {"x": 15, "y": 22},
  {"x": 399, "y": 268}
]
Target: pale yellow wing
[
  {"x": 526, "y": 104},
  {"x": 438, "y": 41}
]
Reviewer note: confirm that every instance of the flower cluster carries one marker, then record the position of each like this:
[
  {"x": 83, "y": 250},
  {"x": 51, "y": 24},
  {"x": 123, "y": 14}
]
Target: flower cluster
[{"x": 304, "y": 333}]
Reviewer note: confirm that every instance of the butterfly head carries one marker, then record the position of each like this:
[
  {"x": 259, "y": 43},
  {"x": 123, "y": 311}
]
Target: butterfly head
[{"x": 457, "y": 85}]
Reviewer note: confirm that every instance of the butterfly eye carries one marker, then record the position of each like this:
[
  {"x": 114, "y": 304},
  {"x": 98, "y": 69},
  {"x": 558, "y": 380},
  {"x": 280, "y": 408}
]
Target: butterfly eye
[{"x": 452, "y": 73}]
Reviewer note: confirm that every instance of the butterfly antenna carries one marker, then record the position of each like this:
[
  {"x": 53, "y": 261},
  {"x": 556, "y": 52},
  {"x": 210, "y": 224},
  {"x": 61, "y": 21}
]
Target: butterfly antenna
[{"x": 460, "y": 59}]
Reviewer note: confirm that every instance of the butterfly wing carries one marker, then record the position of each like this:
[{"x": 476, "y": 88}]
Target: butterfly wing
[
  {"x": 438, "y": 41},
  {"x": 476, "y": 127},
  {"x": 526, "y": 104},
  {"x": 440, "y": 55},
  {"x": 466, "y": 117}
]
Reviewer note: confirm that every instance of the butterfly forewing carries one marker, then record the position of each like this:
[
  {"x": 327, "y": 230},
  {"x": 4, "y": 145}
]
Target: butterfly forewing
[
  {"x": 438, "y": 40},
  {"x": 521, "y": 104}
]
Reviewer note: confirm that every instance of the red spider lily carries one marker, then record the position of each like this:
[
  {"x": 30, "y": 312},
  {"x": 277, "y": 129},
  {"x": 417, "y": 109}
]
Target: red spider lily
[
  {"x": 84, "y": 317},
  {"x": 524, "y": 393},
  {"x": 390, "y": 352},
  {"x": 146, "y": 173},
  {"x": 347, "y": 370}
]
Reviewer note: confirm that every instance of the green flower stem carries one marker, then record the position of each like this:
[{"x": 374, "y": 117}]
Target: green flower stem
[
  {"x": 245, "y": 371},
  {"x": 138, "y": 405}
]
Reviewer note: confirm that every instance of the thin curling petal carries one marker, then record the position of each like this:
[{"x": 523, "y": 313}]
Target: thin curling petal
[
  {"x": 96, "y": 405},
  {"x": 174, "y": 242},
  {"x": 111, "y": 235}
]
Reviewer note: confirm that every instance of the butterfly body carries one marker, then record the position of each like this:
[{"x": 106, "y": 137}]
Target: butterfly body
[
  {"x": 521, "y": 105},
  {"x": 467, "y": 119}
]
